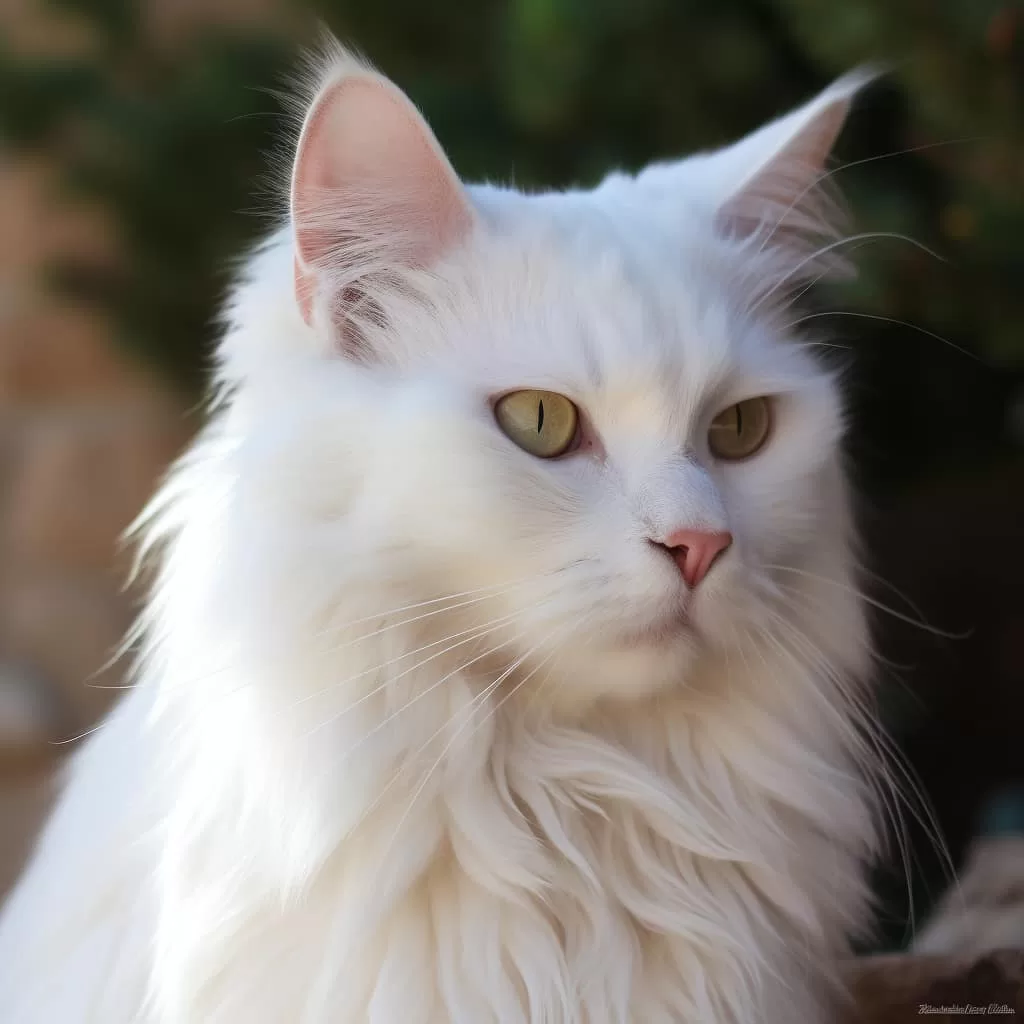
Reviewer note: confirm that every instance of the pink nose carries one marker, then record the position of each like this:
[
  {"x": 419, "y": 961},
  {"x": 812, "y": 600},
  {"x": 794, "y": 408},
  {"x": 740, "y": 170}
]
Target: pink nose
[{"x": 695, "y": 551}]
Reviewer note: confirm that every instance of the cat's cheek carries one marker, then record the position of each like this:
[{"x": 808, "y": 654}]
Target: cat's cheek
[{"x": 777, "y": 514}]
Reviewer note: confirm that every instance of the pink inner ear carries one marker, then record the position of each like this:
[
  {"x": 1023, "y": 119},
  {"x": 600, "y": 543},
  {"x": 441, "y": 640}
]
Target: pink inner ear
[
  {"x": 773, "y": 176},
  {"x": 371, "y": 187}
]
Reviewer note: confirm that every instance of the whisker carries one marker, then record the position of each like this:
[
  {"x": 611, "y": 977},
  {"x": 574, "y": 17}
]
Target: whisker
[
  {"x": 423, "y": 693},
  {"x": 415, "y": 618},
  {"x": 473, "y": 702},
  {"x": 476, "y": 631},
  {"x": 858, "y": 163},
  {"x": 500, "y": 587},
  {"x": 864, "y": 729},
  {"x": 515, "y": 689},
  {"x": 814, "y": 280},
  {"x": 863, "y": 236},
  {"x": 906, "y": 791},
  {"x": 578, "y": 624},
  {"x": 211, "y": 673},
  {"x": 879, "y": 578},
  {"x": 791, "y": 595},
  {"x": 871, "y": 601},
  {"x": 78, "y": 736},
  {"x": 543, "y": 683},
  {"x": 881, "y": 782},
  {"x": 419, "y": 696},
  {"x": 885, "y": 319},
  {"x": 491, "y": 688}
]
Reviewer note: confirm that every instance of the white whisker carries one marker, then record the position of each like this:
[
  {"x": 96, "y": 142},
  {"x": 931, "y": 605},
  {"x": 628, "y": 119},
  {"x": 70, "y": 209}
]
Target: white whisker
[
  {"x": 494, "y": 589},
  {"x": 499, "y": 591},
  {"x": 469, "y": 635},
  {"x": 474, "y": 704},
  {"x": 832, "y": 172},
  {"x": 910, "y": 793},
  {"x": 423, "y": 693},
  {"x": 869, "y": 600},
  {"x": 831, "y": 246},
  {"x": 416, "y": 618},
  {"x": 884, "y": 319}
]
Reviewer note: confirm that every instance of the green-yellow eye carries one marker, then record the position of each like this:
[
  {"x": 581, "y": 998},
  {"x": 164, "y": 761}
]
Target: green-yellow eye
[
  {"x": 741, "y": 430},
  {"x": 542, "y": 423}
]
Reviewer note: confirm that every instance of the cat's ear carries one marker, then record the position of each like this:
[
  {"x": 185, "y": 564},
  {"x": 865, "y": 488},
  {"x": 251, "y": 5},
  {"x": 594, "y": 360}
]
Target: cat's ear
[
  {"x": 771, "y": 178},
  {"x": 372, "y": 193},
  {"x": 770, "y": 184}
]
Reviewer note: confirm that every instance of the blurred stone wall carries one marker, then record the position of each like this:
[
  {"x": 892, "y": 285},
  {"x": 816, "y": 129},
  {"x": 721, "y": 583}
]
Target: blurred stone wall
[{"x": 84, "y": 436}]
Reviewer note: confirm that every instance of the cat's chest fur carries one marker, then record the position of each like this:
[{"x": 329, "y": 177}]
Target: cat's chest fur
[{"x": 566, "y": 878}]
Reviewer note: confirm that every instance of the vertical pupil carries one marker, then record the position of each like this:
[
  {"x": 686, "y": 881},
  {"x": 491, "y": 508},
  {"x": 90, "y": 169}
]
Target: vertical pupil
[
  {"x": 739, "y": 420},
  {"x": 540, "y": 415}
]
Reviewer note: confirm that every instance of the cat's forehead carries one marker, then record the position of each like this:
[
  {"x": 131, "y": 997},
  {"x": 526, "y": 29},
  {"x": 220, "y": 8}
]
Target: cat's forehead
[{"x": 572, "y": 291}]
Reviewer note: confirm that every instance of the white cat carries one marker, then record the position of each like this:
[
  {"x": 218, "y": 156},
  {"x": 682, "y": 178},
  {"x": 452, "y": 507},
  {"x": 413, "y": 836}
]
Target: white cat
[{"x": 505, "y": 661}]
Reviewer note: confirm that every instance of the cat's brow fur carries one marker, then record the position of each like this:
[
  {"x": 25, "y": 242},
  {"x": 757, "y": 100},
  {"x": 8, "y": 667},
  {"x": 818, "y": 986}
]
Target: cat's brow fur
[{"x": 400, "y": 749}]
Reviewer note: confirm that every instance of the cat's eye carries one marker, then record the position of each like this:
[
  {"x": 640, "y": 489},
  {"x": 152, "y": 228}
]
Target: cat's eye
[
  {"x": 741, "y": 430},
  {"x": 542, "y": 423}
]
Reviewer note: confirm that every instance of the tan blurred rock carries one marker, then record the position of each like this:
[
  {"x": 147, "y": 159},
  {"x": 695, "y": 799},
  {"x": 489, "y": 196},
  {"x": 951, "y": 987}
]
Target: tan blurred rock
[
  {"x": 32, "y": 27},
  {"x": 82, "y": 479},
  {"x": 85, "y": 434},
  {"x": 30, "y": 718},
  {"x": 38, "y": 222},
  {"x": 67, "y": 632},
  {"x": 900, "y": 988},
  {"x": 50, "y": 355},
  {"x": 984, "y": 911}
]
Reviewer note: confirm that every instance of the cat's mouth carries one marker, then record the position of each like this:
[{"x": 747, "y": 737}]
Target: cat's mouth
[{"x": 663, "y": 630}]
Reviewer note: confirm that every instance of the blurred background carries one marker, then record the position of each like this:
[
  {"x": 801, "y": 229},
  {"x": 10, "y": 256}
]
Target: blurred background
[{"x": 137, "y": 144}]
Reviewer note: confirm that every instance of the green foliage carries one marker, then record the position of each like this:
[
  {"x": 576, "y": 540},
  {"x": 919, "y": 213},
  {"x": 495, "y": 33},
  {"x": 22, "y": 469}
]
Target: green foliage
[
  {"x": 171, "y": 146},
  {"x": 173, "y": 142},
  {"x": 961, "y": 65}
]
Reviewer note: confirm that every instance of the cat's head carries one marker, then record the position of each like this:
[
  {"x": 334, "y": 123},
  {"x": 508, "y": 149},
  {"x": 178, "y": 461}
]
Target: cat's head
[{"x": 579, "y": 423}]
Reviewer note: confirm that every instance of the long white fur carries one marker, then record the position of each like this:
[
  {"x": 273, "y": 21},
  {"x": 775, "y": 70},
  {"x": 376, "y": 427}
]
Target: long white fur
[{"x": 406, "y": 744}]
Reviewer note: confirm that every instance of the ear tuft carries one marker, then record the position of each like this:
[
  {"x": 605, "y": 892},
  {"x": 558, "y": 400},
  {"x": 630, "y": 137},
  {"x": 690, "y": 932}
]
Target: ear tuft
[{"x": 372, "y": 193}]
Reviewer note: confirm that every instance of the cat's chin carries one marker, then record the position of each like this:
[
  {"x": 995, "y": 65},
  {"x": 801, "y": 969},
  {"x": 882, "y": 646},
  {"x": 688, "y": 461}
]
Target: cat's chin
[
  {"x": 658, "y": 633},
  {"x": 631, "y": 663}
]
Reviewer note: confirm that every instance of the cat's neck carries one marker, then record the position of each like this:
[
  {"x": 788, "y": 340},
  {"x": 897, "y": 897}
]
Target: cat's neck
[
  {"x": 677, "y": 822},
  {"x": 338, "y": 748}
]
